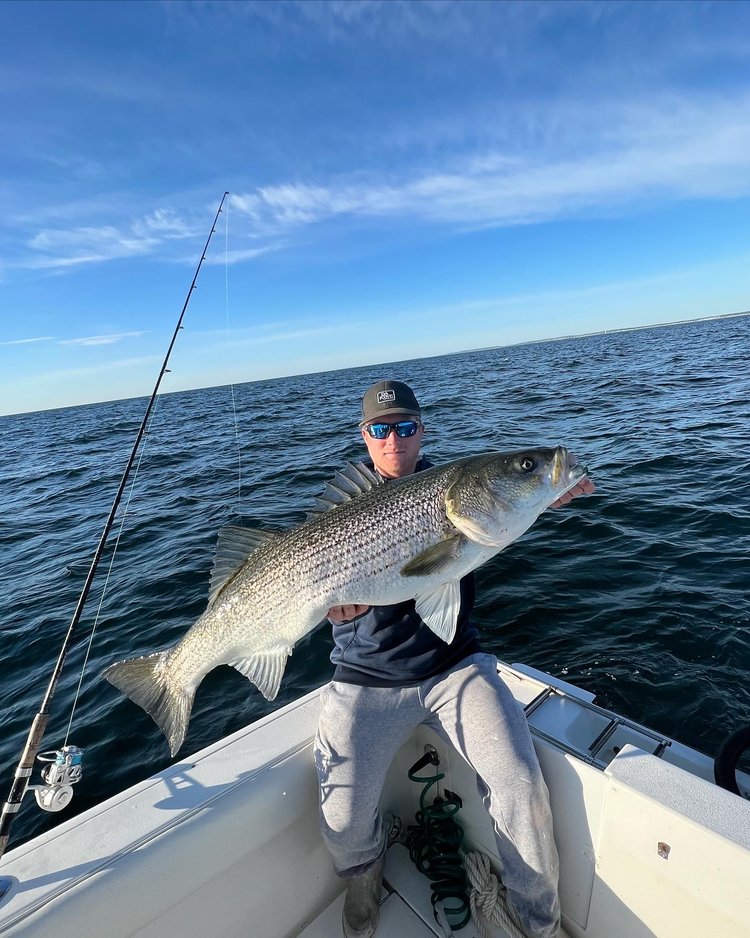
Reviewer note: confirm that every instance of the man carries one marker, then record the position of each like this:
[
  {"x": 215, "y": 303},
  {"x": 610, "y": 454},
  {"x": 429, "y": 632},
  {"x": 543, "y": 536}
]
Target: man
[{"x": 393, "y": 673}]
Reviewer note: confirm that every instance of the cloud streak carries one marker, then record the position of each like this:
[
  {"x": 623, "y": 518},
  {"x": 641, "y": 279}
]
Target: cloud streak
[
  {"x": 62, "y": 248},
  {"x": 241, "y": 254},
  {"x": 55, "y": 248},
  {"x": 101, "y": 339},
  {"x": 160, "y": 233},
  {"x": 41, "y": 338},
  {"x": 291, "y": 335},
  {"x": 673, "y": 150}
]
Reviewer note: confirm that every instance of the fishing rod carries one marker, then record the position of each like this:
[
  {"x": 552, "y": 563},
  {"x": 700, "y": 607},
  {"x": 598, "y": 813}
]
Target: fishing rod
[{"x": 65, "y": 766}]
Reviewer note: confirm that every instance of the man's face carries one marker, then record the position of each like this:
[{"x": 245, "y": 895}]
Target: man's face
[{"x": 395, "y": 456}]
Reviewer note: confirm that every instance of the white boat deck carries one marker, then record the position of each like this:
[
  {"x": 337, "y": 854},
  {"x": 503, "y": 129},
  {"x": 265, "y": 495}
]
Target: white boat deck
[{"x": 405, "y": 909}]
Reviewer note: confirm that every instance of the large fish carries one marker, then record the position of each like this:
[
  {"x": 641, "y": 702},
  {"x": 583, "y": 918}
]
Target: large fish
[{"x": 367, "y": 542}]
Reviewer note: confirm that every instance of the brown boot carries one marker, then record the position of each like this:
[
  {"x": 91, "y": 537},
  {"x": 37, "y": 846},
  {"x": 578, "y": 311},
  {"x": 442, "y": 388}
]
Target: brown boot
[{"x": 362, "y": 903}]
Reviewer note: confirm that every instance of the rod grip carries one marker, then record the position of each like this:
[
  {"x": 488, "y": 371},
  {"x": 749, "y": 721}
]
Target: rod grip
[{"x": 21, "y": 778}]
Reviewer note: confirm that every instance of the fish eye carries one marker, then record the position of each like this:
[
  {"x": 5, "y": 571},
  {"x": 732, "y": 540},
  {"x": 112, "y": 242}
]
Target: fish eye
[{"x": 527, "y": 463}]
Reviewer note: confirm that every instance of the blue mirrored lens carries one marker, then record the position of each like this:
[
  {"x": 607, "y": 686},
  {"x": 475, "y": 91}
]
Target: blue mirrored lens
[
  {"x": 403, "y": 428},
  {"x": 406, "y": 428}
]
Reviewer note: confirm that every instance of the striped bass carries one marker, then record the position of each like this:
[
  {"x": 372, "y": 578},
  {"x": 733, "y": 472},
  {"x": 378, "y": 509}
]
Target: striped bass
[{"x": 367, "y": 543}]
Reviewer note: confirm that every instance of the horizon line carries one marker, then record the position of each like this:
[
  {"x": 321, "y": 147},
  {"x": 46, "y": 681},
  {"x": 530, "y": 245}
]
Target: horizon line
[{"x": 484, "y": 348}]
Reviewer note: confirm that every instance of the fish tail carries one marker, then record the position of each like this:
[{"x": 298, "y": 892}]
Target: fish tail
[{"x": 148, "y": 682}]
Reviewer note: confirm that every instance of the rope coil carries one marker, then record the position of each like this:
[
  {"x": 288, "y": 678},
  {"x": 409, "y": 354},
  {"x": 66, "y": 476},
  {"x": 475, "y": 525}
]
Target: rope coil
[
  {"x": 487, "y": 897},
  {"x": 463, "y": 885},
  {"x": 434, "y": 844}
]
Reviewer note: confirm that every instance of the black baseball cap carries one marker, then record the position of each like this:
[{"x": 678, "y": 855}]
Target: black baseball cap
[{"x": 387, "y": 399}]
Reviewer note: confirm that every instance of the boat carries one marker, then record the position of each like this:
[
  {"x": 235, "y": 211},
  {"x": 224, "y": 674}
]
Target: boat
[{"x": 226, "y": 843}]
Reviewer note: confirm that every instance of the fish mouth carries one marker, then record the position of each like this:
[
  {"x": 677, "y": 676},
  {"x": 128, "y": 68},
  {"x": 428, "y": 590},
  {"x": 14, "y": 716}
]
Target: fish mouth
[{"x": 565, "y": 465}]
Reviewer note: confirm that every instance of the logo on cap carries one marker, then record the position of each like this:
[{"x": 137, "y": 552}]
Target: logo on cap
[{"x": 385, "y": 396}]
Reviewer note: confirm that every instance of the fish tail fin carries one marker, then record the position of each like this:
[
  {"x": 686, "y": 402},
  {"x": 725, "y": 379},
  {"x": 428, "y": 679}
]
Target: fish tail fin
[{"x": 147, "y": 682}]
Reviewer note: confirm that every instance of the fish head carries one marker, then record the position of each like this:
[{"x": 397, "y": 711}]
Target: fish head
[{"x": 496, "y": 497}]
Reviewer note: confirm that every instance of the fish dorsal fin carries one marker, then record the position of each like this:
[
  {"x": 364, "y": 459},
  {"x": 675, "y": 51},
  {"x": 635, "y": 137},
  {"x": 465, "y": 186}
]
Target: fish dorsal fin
[
  {"x": 233, "y": 547},
  {"x": 439, "y": 609},
  {"x": 265, "y": 669},
  {"x": 355, "y": 479}
]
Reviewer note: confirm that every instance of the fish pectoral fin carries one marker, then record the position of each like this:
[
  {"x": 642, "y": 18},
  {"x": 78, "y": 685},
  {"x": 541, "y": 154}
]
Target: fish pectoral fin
[
  {"x": 264, "y": 669},
  {"x": 233, "y": 547},
  {"x": 474, "y": 531},
  {"x": 439, "y": 609},
  {"x": 435, "y": 558}
]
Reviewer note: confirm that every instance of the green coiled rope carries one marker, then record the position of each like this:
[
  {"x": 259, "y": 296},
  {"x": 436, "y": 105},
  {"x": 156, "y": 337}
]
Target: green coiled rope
[{"x": 434, "y": 844}]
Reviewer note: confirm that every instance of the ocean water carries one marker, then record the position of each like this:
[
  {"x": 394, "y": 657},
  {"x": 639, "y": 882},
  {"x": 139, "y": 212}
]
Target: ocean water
[{"x": 638, "y": 593}]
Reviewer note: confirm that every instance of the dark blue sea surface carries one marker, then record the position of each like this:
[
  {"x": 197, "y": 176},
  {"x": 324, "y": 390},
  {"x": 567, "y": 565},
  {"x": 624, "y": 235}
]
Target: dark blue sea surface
[{"x": 638, "y": 593}]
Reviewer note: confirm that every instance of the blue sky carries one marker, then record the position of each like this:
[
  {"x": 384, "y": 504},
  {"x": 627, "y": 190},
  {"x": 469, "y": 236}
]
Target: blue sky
[{"x": 406, "y": 180}]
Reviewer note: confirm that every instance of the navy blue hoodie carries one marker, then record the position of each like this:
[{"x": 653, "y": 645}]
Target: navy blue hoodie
[{"x": 390, "y": 646}]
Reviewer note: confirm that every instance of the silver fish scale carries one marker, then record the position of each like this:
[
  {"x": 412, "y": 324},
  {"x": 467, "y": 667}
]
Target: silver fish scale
[
  {"x": 352, "y": 553},
  {"x": 364, "y": 541}
]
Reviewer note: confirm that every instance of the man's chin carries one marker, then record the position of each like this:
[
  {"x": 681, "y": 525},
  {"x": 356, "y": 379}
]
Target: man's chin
[{"x": 395, "y": 468}]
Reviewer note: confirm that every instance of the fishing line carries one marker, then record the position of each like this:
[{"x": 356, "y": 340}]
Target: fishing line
[
  {"x": 123, "y": 516},
  {"x": 124, "y": 512},
  {"x": 231, "y": 384},
  {"x": 39, "y": 724}
]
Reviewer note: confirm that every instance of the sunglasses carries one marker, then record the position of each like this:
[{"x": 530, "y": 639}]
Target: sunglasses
[{"x": 381, "y": 431}]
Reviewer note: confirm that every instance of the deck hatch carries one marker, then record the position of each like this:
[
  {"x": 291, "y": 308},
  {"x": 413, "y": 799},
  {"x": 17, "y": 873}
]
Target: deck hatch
[{"x": 586, "y": 730}]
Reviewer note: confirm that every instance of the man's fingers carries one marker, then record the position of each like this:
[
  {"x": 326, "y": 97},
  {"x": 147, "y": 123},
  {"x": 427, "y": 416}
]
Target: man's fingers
[
  {"x": 584, "y": 487},
  {"x": 346, "y": 613}
]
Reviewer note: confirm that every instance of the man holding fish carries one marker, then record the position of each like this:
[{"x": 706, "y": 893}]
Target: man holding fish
[
  {"x": 387, "y": 555},
  {"x": 393, "y": 672}
]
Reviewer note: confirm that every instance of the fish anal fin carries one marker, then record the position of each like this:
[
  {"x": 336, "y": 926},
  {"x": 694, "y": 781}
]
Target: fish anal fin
[
  {"x": 265, "y": 669},
  {"x": 439, "y": 609},
  {"x": 233, "y": 547},
  {"x": 434, "y": 558}
]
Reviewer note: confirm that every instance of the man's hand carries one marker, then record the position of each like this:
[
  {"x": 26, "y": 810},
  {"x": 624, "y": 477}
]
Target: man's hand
[
  {"x": 584, "y": 487},
  {"x": 339, "y": 614}
]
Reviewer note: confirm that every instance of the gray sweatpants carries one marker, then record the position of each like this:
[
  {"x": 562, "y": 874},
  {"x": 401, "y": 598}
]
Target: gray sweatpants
[{"x": 360, "y": 730}]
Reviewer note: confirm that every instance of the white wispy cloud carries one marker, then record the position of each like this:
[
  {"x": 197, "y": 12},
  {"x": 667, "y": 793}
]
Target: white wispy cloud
[
  {"x": 102, "y": 339},
  {"x": 270, "y": 333},
  {"x": 668, "y": 150},
  {"x": 41, "y": 338},
  {"x": 240, "y": 254},
  {"x": 60, "y": 248},
  {"x": 66, "y": 248},
  {"x": 290, "y": 335},
  {"x": 163, "y": 223},
  {"x": 502, "y": 165}
]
